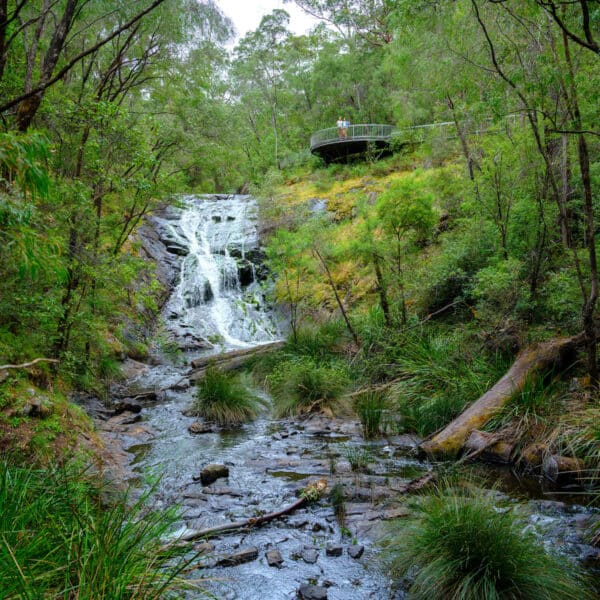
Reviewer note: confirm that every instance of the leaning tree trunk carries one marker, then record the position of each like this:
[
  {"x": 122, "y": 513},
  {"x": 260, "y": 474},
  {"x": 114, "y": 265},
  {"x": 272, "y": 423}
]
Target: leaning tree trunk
[{"x": 530, "y": 363}]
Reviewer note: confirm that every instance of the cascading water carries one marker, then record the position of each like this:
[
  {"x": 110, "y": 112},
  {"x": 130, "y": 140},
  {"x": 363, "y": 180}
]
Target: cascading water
[{"x": 219, "y": 298}]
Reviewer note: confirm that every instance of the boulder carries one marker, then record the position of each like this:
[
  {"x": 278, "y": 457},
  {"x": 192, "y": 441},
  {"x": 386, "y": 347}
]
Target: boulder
[
  {"x": 210, "y": 473},
  {"x": 334, "y": 550}
]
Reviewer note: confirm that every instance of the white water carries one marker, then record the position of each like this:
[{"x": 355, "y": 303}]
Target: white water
[{"x": 220, "y": 235}]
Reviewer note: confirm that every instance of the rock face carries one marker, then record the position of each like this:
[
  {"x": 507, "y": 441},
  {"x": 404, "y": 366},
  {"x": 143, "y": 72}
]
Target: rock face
[{"x": 210, "y": 473}]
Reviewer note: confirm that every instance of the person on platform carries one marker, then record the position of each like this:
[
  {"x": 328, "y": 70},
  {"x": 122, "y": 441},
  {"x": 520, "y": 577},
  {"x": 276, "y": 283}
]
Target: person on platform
[{"x": 340, "y": 127}]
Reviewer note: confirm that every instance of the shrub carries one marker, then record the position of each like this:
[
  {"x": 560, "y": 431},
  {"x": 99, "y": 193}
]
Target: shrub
[
  {"x": 59, "y": 540},
  {"x": 463, "y": 548},
  {"x": 317, "y": 341},
  {"x": 303, "y": 385},
  {"x": 224, "y": 399}
]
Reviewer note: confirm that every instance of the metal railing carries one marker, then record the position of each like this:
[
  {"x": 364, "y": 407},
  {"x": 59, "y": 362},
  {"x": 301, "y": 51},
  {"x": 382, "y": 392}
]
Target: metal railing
[{"x": 369, "y": 132}]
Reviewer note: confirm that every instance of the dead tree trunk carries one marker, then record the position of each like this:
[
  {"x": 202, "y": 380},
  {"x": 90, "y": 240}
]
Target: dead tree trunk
[{"x": 530, "y": 363}]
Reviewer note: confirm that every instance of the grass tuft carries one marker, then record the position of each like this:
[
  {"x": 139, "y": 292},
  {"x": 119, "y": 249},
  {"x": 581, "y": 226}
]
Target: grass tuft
[
  {"x": 370, "y": 408},
  {"x": 303, "y": 385},
  {"x": 461, "y": 547},
  {"x": 223, "y": 399}
]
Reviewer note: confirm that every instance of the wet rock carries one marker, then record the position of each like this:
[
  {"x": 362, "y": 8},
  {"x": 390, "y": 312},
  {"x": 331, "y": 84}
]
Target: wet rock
[
  {"x": 238, "y": 558},
  {"x": 198, "y": 427},
  {"x": 245, "y": 272},
  {"x": 128, "y": 405},
  {"x": 210, "y": 473},
  {"x": 312, "y": 592},
  {"x": 40, "y": 408},
  {"x": 216, "y": 218},
  {"x": 177, "y": 249},
  {"x": 589, "y": 556},
  {"x": 356, "y": 551},
  {"x": 274, "y": 558},
  {"x": 125, "y": 418},
  {"x": 298, "y": 523},
  {"x": 204, "y": 547},
  {"x": 230, "y": 218},
  {"x": 334, "y": 550},
  {"x": 223, "y": 491},
  {"x": 309, "y": 555}
]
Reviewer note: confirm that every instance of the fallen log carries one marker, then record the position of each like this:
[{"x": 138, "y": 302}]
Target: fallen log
[
  {"x": 26, "y": 365},
  {"x": 490, "y": 447},
  {"x": 530, "y": 363},
  {"x": 229, "y": 361},
  {"x": 311, "y": 493}
]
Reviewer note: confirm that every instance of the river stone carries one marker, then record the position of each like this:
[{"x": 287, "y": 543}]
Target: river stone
[
  {"x": 312, "y": 592},
  {"x": 128, "y": 404},
  {"x": 237, "y": 558},
  {"x": 356, "y": 551},
  {"x": 274, "y": 558},
  {"x": 198, "y": 427},
  {"x": 334, "y": 550},
  {"x": 210, "y": 473},
  {"x": 310, "y": 555}
]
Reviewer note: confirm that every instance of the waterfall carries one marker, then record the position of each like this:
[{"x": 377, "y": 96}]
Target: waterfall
[{"x": 219, "y": 297}]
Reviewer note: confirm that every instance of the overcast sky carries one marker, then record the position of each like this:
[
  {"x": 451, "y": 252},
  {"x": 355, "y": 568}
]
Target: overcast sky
[{"x": 246, "y": 14}]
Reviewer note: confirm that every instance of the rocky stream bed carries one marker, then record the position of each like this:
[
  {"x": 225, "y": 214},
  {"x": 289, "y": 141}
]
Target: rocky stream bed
[{"x": 206, "y": 251}]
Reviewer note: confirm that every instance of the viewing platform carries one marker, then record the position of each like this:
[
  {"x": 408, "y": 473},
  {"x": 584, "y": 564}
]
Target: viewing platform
[{"x": 331, "y": 147}]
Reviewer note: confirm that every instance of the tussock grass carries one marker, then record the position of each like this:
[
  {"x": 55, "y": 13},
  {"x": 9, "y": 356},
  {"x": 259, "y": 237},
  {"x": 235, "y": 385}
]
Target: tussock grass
[
  {"x": 58, "y": 540},
  {"x": 301, "y": 385},
  {"x": 370, "y": 408},
  {"x": 438, "y": 375},
  {"x": 460, "y": 547},
  {"x": 223, "y": 399}
]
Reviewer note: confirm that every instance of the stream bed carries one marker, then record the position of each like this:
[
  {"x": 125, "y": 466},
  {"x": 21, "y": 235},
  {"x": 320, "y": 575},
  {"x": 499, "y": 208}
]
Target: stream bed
[{"x": 218, "y": 304}]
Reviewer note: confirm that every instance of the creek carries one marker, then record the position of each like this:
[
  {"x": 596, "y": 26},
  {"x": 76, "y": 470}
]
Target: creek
[{"x": 218, "y": 304}]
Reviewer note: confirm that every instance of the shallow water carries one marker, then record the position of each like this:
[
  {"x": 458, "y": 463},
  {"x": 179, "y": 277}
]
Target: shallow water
[{"x": 271, "y": 460}]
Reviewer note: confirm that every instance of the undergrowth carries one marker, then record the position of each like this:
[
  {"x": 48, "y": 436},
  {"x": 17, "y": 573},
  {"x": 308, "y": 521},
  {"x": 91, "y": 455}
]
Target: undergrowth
[{"x": 58, "y": 539}]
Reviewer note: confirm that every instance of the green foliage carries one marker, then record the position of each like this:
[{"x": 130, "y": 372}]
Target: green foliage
[
  {"x": 499, "y": 288},
  {"x": 536, "y": 403},
  {"x": 370, "y": 407},
  {"x": 301, "y": 385},
  {"x": 439, "y": 374},
  {"x": 358, "y": 458},
  {"x": 223, "y": 399},
  {"x": 337, "y": 497},
  {"x": 59, "y": 539},
  {"x": 459, "y": 545},
  {"x": 318, "y": 341}
]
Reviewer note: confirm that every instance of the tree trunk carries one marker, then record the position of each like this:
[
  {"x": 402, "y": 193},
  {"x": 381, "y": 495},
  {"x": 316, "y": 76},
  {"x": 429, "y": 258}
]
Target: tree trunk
[{"x": 530, "y": 363}]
